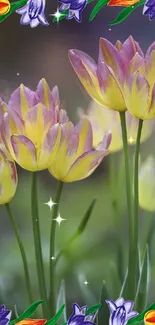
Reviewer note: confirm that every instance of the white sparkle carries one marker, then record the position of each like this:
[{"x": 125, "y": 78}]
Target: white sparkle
[
  {"x": 57, "y": 15},
  {"x": 18, "y": 73},
  {"x": 130, "y": 140},
  {"x": 110, "y": 29},
  {"x": 85, "y": 282},
  {"x": 59, "y": 220},
  {"x": 52, "y": 258},
  {"x": 50, "y": 203}
]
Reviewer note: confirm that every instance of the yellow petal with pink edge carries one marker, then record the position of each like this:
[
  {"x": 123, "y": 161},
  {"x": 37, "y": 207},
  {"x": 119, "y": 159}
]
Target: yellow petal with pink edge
[
  {"x": 150, "y": 69},
  {"x": 84, "y": 130},
  {"x": 24, "y": 152},
  {"x": 136, "y": 94},
  {"x": 84, "y": 166},
  {"x": 8, "y": 177},
  {"x": 85, "y": 69}
]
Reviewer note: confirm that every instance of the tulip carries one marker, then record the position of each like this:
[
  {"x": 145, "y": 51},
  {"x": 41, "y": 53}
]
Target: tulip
[
  {"x": 139, "y": 88},
  {"x": 104, "y": 81},
  {"x": 74, "y": 7},
  {"x": 79, "y": 316},
  {"x": 120, "y": 311},
  {"x": 149, "y": 318},
  {"x": 149, "y": 9},
  {"x": 30, "y": 126},
  {"x": 124, "y": 3},
  {"x": 75, "y": 158},
  {"x": 33, "y": 13},
  {"x": 8, "y": 176},
  {"x": 102, "y": 120},
  {"x": 147, "y": 184},
  {"x": 28, "y": 321},
  {"x": 5, "y": 315},
  {"x": 4, "y": 7}
]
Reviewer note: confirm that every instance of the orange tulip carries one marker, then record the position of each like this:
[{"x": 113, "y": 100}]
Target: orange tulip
[
  {"x": 4, "y": 7},
  {"x": 32, "y": 322},
  {"x": 149, "y": 318},
  {"x": 124, "y": 3}
]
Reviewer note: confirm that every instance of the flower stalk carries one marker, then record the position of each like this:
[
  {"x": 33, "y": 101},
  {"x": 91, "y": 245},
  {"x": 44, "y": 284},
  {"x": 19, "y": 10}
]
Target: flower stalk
[
  {"x": 52, "y": 298},
  {"x": 22, "y": 250}
]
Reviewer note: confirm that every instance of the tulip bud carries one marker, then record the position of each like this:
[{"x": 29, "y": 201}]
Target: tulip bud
[{"x": 149, "y": 318}]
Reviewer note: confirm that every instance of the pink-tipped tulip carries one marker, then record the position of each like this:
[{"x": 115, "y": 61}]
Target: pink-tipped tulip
[{"x": 104, "y": 81}]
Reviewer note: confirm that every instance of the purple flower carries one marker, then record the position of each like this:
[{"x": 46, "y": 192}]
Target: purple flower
[
  {"x": 33, "y": 13},
  {"x": 75, "y": 8},
  {"x": 120, "y": 311},
  {"x": 5, "y": 315},
  {"x": 79, "y": 317},
  {"x": 149, "y": 9}
]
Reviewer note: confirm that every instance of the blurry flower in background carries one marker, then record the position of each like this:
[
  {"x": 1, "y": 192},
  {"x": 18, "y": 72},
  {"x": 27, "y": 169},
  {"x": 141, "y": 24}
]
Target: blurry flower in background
[
  {"x": 120, "y": 311},
  {"x": 5, "y": 315},
  {"x": 75, "y": 8},
  {"x": 79, "y": 317},
  {"x": 8, "y": 176},
  {"x": 33, "y": 13},
  {"x": 104, "y": 81},
  {"x": 103, "y": 120},
  {"x": 30, "y": 126},
  {"x": 139, "y": 90},
  {"x": 149, "y": 318},
  {"x": 149, "y": 9},
  {"x": 75, "y": 158},
  {"x": 4, "y": 7},
  {"x": 147, "y": 184}
]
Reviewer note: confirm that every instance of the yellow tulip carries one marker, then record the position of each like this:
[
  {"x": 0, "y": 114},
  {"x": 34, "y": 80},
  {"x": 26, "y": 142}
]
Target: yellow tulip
[
  {"x": 4, "y": 7},
  {"x": 8, "y": 176},
  {"x": 103, "y": 120},
  {"x": 147, "y": 184},
  {"x": 75, "y": 158}
]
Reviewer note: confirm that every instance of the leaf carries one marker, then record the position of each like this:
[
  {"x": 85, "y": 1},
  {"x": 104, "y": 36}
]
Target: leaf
[
  {"x": 104, "y": 311},
  {"x": 140, "y": 318},
  {"x": 93, "y": 309},
  {"x": 142, "y": 290},
  {"x": 126, "y": 12},
  {"x": 55, "y": 319},
  {"x": 28, "y": 312},
  {"x": 62, "y": 300},
  {"x": 97, "y": 8},
  {"x": 120, "y": 259},
  {"x": 14, "y": 6}
]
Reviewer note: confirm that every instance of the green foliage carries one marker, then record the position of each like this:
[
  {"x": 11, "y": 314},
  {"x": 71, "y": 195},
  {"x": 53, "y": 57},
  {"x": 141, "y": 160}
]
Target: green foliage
[
  {"x": 27, "y": 313},
  {"x": 125, "y": 13}
]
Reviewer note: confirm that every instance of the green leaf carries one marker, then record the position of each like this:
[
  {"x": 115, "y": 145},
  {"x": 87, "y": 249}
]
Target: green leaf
[
  {"x": 124, "y": 285},
  {"x": 142, "y": 290},
  {"x": 140, "y": 318},
  {"x": 97, "y": 8},
  {"x": 120, "y": 259},
  {"x": 55, "y": 319},
  {"x": 14, "y": 6},
  {"x": 61, "y": 300},
  {"x": 126, "y": 12},
  {"x": 104, "y": 311},
  {"x": 93, "y": 309},
  {"x": 28, "y": 312}
]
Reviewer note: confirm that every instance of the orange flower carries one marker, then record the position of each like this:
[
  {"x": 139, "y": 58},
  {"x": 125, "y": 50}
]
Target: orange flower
[
  {"x": 124, "y": 3},
  {"x": 149, "y": 318},
  {"x": 4, "y": 7},
  {"x": 32, "y": 322}
]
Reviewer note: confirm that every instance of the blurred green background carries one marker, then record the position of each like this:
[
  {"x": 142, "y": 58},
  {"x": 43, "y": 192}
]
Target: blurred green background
[{"x": 26, "y": 56}]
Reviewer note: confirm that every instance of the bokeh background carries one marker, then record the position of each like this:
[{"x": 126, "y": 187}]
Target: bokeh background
[{"x": 27, "y": 55}]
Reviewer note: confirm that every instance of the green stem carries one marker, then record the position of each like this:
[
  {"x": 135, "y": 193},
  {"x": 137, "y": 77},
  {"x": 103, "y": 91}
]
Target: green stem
[
  {"x": 52, "y": 297},
  {"x": 136, "y": 200},
  {"x": 129, "y": 289},
  {"x": 37, "y": 244},
  {"x": 22, "y": 250}
]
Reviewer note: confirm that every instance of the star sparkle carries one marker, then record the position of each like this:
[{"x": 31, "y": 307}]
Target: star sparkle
[
  {"x": 85, "y": 282},
  {"x": 57, "y": 15},
  {"x": 59, "y": 219},
  {"x": 50, "y": 203}
]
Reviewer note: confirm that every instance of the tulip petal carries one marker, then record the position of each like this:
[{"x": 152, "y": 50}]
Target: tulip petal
[
  {"x": 50, "y": 99},
  {"x": 85, "y": 165},
  {"x": 8, "y": 180},
  {"x": 37, "y": 124},
  {"x": 50, "y": 146},
  {"x": 149, "y": 317},
  {"x": 119, "y": 302},
  {"x": 112, "y": 306},
  {"x": 118, "y": 45},
  {"x": 84, "y": 130},
  {"x": 111, "y": 92},
  {"x": 25, "y": 152},
  {"x": 128, "y": 304},
  {"x": 109, "y": 54},
  {"x": 124, "y": 3},
  {"x": 135, "y": 63},
  {"x": 8, "y": 127},
  {"x": 32, "y": 322},
  {"x": 131, "y": 315},
  {"x": 85, "y": 69},
  {"x": 136, "y": 94},
  {"x": 130, "y": 48},
  {"x": 21, "y": 100},
  {"x": 150, "y": 49},
  {"x": 150, "y": 68}
]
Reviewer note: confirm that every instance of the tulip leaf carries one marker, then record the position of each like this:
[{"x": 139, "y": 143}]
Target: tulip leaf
[
  {"x": 14, "y": 6},
  {"x": 140, "y": 318},
  {"x": 55, "y": 319},
  {"x": 28, "y": 312},
  {"x": 120, "y": 259},
  {"x": 79, "y": 230},
  {"x": 93, "y": 309},
  {"x": 62, "y": 300},
  {"x": 143, "y": 284},
  {"x": 104, "y": 311},
  {"x": 97, "y": 8},
  {"x": 126, "y": 12}
]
